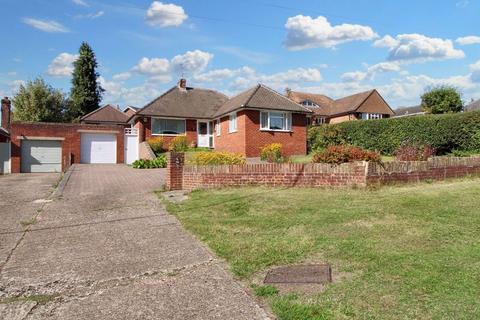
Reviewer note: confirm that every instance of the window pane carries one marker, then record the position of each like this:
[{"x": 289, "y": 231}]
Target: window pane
[
  {"x": 264, "y": 120},
  {"x": 168, "y": 126},
  {"x": 202, "y": 128},
  {"x": 233, "y": 123},
  {"x": 277, "y": 121}
]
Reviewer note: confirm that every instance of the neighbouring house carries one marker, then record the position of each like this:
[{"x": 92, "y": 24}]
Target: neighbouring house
[
  {"x": 473, "y": 105},
  {"x": 242, "y": 124},
  {"x": 130, "y": 111},
  {"x": 106, "y": 115},
  {"x": 361, "y": 106},
  {"x": 409, "y": 111}
]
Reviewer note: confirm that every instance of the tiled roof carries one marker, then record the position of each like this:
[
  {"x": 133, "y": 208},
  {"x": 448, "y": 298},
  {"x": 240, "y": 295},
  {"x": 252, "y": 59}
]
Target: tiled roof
[
  {"x": 405, "y": 111},
  {"x": 475, "y": 105},
  {"x": 4, "y": 132},
  {"x": 107, "y": 113},
  {"x": 185, "y": 103},
  {"x": 260, "y": 97}
]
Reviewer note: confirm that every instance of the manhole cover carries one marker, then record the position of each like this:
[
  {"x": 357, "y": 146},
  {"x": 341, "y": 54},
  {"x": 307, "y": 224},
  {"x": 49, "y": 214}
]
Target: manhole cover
[{"x": 312, "y": 273}]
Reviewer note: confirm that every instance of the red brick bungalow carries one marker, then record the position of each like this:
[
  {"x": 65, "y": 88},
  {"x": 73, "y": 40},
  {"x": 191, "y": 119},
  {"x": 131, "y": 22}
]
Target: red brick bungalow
[{"x": 243, "y": 124}]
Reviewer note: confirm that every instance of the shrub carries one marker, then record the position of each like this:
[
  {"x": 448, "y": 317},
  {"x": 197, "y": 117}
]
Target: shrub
[
  {"x": 216, "y": 158},
  {"x": 158, "y": 162},
  {"x": 324, "y": 136},
  {"x": 410, "y": 151},
  {"x": 344, "y": 153},
  {"x": 156, "y": 144},
  {"x": 273, "y": 153},
  {"x": 445, "y": 133},
  {"x": 178, "y": 144}
]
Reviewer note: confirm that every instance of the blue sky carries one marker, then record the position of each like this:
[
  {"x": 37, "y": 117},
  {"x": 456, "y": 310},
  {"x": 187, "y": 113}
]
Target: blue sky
[{"x": 334, "y": 47}]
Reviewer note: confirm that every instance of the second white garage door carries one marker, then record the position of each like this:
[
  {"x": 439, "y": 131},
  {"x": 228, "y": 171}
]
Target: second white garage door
[{"x": 98, "y": 148}]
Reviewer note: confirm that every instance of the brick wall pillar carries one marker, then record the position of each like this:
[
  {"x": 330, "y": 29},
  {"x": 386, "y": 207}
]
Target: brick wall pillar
[
  {"x": 175, "y": 162},
  {"x": 6, "y": 113}
]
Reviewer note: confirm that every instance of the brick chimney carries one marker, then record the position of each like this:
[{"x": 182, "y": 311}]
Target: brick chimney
[
  {"x": 182, "y": 83},
  {"x": 6, "y": 113}
]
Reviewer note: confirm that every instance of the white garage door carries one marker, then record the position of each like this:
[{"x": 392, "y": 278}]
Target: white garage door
[
  {"x": 98, "y": 148},
  {"x": 41, "y": 156}
]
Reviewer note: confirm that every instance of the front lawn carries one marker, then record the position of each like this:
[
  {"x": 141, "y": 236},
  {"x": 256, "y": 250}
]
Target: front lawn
[{"x": 405, "y": 252}]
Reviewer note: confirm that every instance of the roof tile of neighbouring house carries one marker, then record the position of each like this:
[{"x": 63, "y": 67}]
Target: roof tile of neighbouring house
[
  {"x": 185, "y": 103},
  {"x": 260, "y": 97},
  {"x": 107, "y": 113},
  {"x": 407, "y": 111},
  {"x": 475, "y": 105}
]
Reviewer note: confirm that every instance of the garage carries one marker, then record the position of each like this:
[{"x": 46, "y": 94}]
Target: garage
[
  {"x": 98, "y": 148},
  {"x": 41, "y": 156}
]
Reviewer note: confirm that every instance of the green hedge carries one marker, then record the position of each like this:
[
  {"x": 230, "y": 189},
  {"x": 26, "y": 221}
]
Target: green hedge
[{"x": 445, "y": 133}]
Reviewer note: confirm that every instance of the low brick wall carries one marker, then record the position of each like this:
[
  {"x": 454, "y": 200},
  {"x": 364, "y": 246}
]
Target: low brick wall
[
  {"x": 438, "y": 168},
  {"x": 187, "y": 177}
]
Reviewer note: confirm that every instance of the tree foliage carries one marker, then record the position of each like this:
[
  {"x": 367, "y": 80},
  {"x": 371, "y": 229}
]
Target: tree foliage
[
  {"x": 38, "y": 101},
  {"x": 442, "y": 99},
  {"x": 86, "y": 93}
]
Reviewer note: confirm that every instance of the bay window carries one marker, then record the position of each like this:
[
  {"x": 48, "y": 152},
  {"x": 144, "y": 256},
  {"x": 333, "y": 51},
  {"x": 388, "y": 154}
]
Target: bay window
[
  {"x": 168, "y": 126},
  {"x": 278, "y": 121}
]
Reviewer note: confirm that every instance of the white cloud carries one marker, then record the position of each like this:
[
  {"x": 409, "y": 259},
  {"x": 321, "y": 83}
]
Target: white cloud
[
  {"x": 153, "y": 66},
  {"x": 235, "y": 80},
  {"x": 46, "y": 25},
  {"x": 191, "y": 61},
  {"x": 90, "y": 15},
  {"x": 371, "y": 72},
  {"x": 418, "y": 48},
  {"x": 464, "y": 41},
  {"x": 305, "y": 32},
  {"x": 80, "y": 3},
  {"x": 122, "y": 76},
  {"x": 165, "y": 15},
  {"x": 462, "y": 3},
  {"x": 475, "y": 68},
  {"x": 62, "y": 65}
]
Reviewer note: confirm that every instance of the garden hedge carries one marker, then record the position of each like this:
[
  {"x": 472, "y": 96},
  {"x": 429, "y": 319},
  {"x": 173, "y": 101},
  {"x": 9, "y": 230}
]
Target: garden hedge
[{"x": 446, "y": 133}]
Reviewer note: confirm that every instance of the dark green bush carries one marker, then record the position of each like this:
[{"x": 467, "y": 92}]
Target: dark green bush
[
  {"x": 158, "y": 162},
  {"x": 445, "y": 133}
]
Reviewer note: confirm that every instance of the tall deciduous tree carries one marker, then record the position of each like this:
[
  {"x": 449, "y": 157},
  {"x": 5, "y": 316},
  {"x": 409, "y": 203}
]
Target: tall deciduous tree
[
  {"x": 442, "y": 99},
  {"x": 86, "y": 93},
  {"x": 38, "y": 101}
]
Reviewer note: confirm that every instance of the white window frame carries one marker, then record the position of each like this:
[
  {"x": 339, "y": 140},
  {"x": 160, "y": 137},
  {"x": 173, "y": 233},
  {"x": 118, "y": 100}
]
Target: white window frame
[
  {"x": 372, "y": 116},
  {"x": 218, "y": 127},
  {"x": 168, "y": 134},
  {"x": 287, "y": 120},
  {"x": 232, "y": 123}
]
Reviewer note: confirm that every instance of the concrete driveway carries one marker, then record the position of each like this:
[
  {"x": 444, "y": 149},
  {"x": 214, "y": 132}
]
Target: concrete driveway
[{"x": 107, "y": 250}]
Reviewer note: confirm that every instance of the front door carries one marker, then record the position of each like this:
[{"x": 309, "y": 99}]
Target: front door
[
  {"x": 131, "y": 145},
  {"x": 205, "y": 134}
]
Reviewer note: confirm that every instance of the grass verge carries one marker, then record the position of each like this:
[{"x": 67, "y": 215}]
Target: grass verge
[{"x": 411, "y": 251}]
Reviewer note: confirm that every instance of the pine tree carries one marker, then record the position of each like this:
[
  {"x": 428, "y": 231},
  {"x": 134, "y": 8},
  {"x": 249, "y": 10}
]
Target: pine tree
[{"x": 86, "y": 93}]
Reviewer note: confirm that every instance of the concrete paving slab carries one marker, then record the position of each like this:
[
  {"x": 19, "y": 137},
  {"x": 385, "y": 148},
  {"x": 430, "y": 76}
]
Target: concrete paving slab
[{"x": 107, "y": 249}]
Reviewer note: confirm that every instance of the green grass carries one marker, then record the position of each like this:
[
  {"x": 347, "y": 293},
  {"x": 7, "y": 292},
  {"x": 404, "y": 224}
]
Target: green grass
[{"x": 405, "y": 252}]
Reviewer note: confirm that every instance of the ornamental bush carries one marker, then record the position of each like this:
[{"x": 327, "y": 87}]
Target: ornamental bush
[
  {"x": 156, "y": 144},
  {"x": 344, "y": 153},
  {"x": 272, "y": 153},
  {"x": 411, "y": 151},
  {"x": 158, "y": 162},
  {"x": 216, "y": 158},
  {"x": 178, "y": 144},
  {"x": 445, "y": 133}
]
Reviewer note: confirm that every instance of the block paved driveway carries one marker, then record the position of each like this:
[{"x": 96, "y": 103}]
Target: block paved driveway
[{"x": 106, "y": 249}]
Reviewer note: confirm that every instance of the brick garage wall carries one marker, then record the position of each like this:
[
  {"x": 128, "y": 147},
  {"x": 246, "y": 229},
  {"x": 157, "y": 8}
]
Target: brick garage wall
[
  {"x": 284, "y": 175},
  {"x": 415, "y": 171},
  {"x": 190, "y": 126},
  {"x": 70, "y": 145},
  {"x": 294, "y": 142}
]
